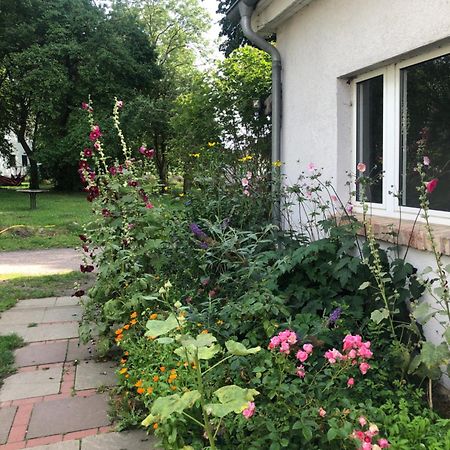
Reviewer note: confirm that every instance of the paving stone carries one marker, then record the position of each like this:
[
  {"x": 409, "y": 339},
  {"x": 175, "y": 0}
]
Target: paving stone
[
  {"x": 43, "y": 332},
  {"x": 62, "y": 314},
  {"x": 91, "y": 374},
  {"x": 67, "y": 415},
  {"x": 66, "y": 445},
  {"x": 131, "y": 440},
  {"x": 22, "y": 316},
  {"x": 67, "y": 301},
  {"x": 31, "y": 384},
  {"x": 45, "y": 353},
  {"x": 79, "y": 351},
  {"x": 35, "y": 303},
  {"x": 6, "y": 420}
]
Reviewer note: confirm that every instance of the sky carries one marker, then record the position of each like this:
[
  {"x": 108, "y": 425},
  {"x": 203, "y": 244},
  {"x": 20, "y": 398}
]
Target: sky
[{"x": 213, "y": 33}]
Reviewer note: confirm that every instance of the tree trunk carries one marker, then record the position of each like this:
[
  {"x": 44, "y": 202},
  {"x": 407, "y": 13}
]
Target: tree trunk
[{"x": 34, "y": 174}]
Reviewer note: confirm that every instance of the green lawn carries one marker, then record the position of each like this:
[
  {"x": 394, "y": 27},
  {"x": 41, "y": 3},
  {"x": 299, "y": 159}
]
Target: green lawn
[{"x": 56, "y": 222}]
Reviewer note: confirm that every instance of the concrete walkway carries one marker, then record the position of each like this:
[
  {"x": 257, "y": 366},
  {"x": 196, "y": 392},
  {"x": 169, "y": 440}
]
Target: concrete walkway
[
  {"x": 40, "y": 262},
  {"x": 54, "y": 402}
]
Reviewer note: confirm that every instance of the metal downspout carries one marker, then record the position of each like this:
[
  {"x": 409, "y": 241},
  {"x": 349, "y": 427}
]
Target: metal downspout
[{"x": 246, "y": 12}]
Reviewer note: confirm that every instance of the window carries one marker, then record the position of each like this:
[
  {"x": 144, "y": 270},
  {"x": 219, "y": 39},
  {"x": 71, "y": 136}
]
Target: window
[
  {"x": 403, "y": 114},
  {"x": 24, "y": 161}
]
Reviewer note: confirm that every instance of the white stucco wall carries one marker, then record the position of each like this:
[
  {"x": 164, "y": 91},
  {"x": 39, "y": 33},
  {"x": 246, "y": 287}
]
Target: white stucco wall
[
  {"x": 17, "y": 152},
  {"x": 325, "y": 44}
]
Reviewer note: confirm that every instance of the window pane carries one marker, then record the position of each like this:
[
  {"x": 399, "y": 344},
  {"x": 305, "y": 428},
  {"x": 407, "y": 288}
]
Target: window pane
[
  {"x": 425, "y": 114},
  {"x": 370, "y": 135}
]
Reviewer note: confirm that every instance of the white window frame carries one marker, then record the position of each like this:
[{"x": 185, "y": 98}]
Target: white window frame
[{"x": 391, "y": 139}]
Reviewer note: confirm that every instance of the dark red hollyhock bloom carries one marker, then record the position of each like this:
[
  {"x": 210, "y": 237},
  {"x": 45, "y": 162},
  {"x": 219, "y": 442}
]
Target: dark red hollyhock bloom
[
  {"x": 94, "y": 192},
  {"x": 83, "y": 164},
  {"x": 83, "y": 237},
  {"x": 112, "y": 170},
  {"x": 133, "y": 183},
  {"x": 431, "y": 185},
  {"x": 86, "y": 269},
  {"x": 78, "y": 293},
  {"x": 87, "y": 152},
  {"x": 85, "y": 248},
  {"x": 106, "y": 212}
]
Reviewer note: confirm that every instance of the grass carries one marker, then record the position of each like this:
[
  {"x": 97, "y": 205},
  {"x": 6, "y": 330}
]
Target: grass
[
  {"x": 7, "y": 345},
  {"x": 56, "y": 223},
  {"x": 15, "y": 289}
]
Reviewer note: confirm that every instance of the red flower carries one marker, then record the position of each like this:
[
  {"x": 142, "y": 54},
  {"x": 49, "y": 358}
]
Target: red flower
[
  {"x": 87, "y": 152},
  {"x": 431, "y": 185},
  {"x": 95, "y": 134},
  {"x": 86, "y": 269}
]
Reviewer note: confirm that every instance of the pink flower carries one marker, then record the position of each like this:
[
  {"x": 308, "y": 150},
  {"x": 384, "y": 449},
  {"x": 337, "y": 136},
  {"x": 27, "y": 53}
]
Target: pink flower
[
  {"x": 142, "y": 149},
  {"x": 362, "y": 421},
  {"x": 426, "y": 161},
  {"x": 285, "y": 348},
  {"x": 274, "y": 342},
  {"x": 95, "y": 133},
  {"x": 249, "y": 175},
  {"x": 247, "y": 192},
  {"x": 119, "y": 104},
  {"x": 333, "y": 356},
  {"x": 292, "y": 338},
  {"x": 373, "y": 429},
  {"x": 361, "y": 167},
  {"x": 302, "y": 356},
  {"x": 87, "y": 152},
  {"x": 309, "y": 194},
  {"x": 322, "y": 412},
  {"x": 112, "y": 170},
  {"x": 349, "y": 208},
  {"x": 301, "y": 371},
  {"x": 333, "y": 198},
  {"x": 249, "y": 411},
  {"x": 431, "y": 185},
  {"x": 308, "y": 348},
  {"x": 96, "y": 146},
  {"x": 366, "y": 446},
  {"x": 149, "y": 205},
  {"x": 312, "y": 167},
  {"x": 352, "y": 354},
  {"x": 350, "y": 382},
  {"x": 244, "y": 182},
  {"x": 84, "y": 106},
  {"x": 364, "y": 367},
  {"x": 364, "y": 352},
  {"x": 352, "y": 342},
  {"x": 383, "y": 443},
  {"x": 358, "y": 435}
]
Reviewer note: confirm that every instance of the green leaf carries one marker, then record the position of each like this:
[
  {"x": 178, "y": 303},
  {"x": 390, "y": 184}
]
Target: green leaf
[
  {"x": 332, "y": 434},
  {"x": 156, "y": 328},
  {"x": 422, "y": 312},
  {"x": 434, "y": 355},
  {"x": 238, "y": 349},
  {"x": 231, "y": 399},
  {"x": 165, "y": 340},
  {"x": 379, "y": 315},
  {"x": 164, "y": 407}
]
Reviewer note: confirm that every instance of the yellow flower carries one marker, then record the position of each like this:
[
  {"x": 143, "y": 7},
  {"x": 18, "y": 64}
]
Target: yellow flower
[
  {"x": 123, "y": 370},
  {"x": 181, "y": 195},
  {"x": 195, "y": 155},
  {"x": 174, "y": 388},
  {"x": 172, "y": 371},
  {"x": 139, "y": 384},
  {"x": 165, "y": 188},
  {"x": 134, "y": 315},
  {"x": 245, "y": 158},
  {"x": 204, "y": 332},
  {"x": 277, "y": 164},
  {"x": 153, "y": 316},
  {"x": 219, "y": 322},
  {"x": 211, "y": 144}
]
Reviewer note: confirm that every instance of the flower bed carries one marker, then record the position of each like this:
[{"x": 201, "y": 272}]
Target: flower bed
[{"x": 236, "y": 335}]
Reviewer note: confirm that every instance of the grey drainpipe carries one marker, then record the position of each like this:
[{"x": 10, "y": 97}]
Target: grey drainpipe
[{"x": 246, "y": 12}]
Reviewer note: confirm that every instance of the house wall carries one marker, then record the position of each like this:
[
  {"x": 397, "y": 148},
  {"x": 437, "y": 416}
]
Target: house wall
[
  {"x": 323, "y": 46},
  {"x": 17, "y": 153}
]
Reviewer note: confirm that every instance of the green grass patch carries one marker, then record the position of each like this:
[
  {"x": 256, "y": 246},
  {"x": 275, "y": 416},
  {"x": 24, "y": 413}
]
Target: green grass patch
[
  {"x": 7, "y": 345},
  {"x": 56, "y": 223},
  {"x": 14, "y": 289}
]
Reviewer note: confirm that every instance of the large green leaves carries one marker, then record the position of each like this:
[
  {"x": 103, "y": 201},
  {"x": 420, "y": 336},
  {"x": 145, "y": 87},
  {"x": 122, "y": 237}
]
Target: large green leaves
[
  {"x": 231, "y": 399},
  {"x": 202, "y": 347},
  {"x": 156, "y": 328},
  {"x": 164, "y": 407},
  {"x": 238, "y": 349}
]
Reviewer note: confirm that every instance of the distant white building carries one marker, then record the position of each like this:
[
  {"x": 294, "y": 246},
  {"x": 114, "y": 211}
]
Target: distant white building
[{"x": 17, "y": 163}]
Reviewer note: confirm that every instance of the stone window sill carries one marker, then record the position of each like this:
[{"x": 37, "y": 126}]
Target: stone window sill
[{"x": 387, "y": 229}]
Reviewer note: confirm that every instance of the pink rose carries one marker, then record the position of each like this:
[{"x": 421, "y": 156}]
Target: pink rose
[
  {"x": 302, "y": 356},
  {"x": 285, "y": 348},
  {"x": 274, "y": 342},
  {"x": 244, "y": 182},
  {"x": 383, "y": 443},
  {"x": 322, "y": 412},
  {"x": 362, "y": 421},
  {"x": 350, "y": 382},
  {"x": 301, "y": 371},
  {"x": 249, "y": 411},
  {"x": 308, "y": 348},
  {"x": 364, "y": 367}
]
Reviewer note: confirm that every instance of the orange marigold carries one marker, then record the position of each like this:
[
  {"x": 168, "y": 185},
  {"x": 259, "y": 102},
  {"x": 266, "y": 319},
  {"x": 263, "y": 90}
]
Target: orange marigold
[
  {"x": 162, "y": 369},
  {"x": 153, "y": 316},
  {"x": 133, "y": 322},
  {"x": 140, "y": 390},
  {"x": 126, "y": 327},
  {"x": 150, "y": 390},
  {"x": 138, "y": 384},
  {"x": 174, "y": 388},
  {"x": 134, "y": 315},
  {"x": 119, "y": 331},
  {"x": 155, "y": 426},
  {"x": 156, "y": 378}
]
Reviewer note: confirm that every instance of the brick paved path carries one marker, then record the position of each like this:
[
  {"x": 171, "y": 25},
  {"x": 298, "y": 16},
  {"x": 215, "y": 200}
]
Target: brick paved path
[{"x": 53, "y": 401}]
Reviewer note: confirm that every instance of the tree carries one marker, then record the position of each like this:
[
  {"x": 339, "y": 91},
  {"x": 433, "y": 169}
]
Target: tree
[
  {"x": 55, "y": 53},
  {"x": 230, "y": 30}
]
